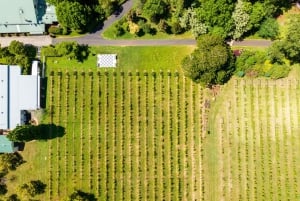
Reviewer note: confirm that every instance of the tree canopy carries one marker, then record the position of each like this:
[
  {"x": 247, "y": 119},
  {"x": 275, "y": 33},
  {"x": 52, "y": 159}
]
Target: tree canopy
[
  {"x": 19, "y": 54},
  {"x": 73, "y": 15},
  {"x": 31, "y": 189},
  {"x": 211, "y": 63}
]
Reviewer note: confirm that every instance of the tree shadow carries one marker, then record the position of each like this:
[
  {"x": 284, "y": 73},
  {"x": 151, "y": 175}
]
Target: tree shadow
[
  {"x": 43, "y": 92},
  {"x": 49, "y": 131}
]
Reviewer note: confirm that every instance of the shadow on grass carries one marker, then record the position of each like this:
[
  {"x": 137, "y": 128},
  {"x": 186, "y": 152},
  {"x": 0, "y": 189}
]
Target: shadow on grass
[
  {"x": 49, "y": 131},
  {"x": 43, "y": 92}
]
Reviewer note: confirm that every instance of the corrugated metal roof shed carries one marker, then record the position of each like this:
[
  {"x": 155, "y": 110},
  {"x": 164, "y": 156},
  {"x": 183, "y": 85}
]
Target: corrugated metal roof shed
[{"x": 6, "y": 146}]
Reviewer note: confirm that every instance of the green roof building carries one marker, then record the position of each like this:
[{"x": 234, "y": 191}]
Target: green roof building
[
  {"x": 7, "y": 146},
  {"x": 25, "y": 16}
]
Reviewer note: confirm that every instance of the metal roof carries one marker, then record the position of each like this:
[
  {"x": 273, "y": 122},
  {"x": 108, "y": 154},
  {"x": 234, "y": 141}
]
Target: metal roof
[
  {"x": 18, "y": 92},
  {"x": 25, "y": 16},
  {"x": 6, "y": 146}
]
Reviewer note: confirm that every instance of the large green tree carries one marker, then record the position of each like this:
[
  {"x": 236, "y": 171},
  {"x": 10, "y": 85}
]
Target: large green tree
[
  {"x": 217, "y": 15},
  {"x": 211, "y": 63},
  {"x": 73, "y": 15},
  {"x": 31, "y": 189},
  {"x": 292, "y": 40}
]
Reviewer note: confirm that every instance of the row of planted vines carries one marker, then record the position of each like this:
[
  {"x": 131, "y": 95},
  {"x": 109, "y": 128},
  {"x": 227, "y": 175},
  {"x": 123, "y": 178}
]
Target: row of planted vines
[
  {"x": 254, "y": 142},
  {"x": 129, "y": 135}
]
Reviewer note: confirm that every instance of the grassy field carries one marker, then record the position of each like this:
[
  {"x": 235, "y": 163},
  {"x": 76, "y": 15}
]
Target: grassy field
[
  {"x": 129, "y": 136},
  {"x": 130, "y": 58},
  {"x": 252, "y": 151}
]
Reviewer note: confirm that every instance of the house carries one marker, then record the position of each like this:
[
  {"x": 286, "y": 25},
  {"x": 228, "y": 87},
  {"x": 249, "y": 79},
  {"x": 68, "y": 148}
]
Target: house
[
  {"x": 18, "y": 94},
  {"x": 107, "y": 60},
  {"x": 25, "y": 16}
]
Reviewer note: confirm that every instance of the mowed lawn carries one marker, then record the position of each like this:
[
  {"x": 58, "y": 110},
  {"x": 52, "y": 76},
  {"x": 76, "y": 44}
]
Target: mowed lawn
[
  {"x": 129, "y": 58},
  {"x": 252, "y": 151},
  {"x": 129, "y": 136}
]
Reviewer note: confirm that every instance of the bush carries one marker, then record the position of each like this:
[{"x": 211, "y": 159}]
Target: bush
[
  {"x": 176, "y": 28},
  {"x": 55, "y": 30},
  {"x": 269, "y": 29},
  {"x": 278, "y": 71},
  {"x": 163, "y": 26},
  {"x": 3, "y": 189},
  {"x": 118, "y": 30}
]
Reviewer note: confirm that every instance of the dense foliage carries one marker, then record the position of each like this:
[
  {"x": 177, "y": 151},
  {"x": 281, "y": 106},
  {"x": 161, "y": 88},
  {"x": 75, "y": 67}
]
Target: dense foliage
[
  {"x": 27, "y": 133},
  {"x": 226, "y": 18},
  {"x": 9, "y": 161},
  {"x": 211, "y": 63},
  {"x": 69, "y": 49},
  {"x": 82, "y": 16},
  {"x": 31, "y": 189},
  {"x": 260, "y": 63},
  {"x": 19, "y": 54}
]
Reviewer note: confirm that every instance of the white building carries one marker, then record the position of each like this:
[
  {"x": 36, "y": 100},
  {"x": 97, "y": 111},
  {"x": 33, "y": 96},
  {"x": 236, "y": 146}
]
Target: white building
[{"x": 18, "y": 93}]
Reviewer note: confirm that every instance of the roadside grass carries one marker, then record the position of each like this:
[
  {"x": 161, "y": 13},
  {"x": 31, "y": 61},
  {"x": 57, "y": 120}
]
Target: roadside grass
[{"x": 129, "y": 58}]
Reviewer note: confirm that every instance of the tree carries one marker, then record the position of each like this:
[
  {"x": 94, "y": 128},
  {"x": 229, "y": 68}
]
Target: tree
[
  {"x": 73, "y": 15},
  {"x": 217, "y": 14},
  {"x": 10, "y": 161},
  {"x": 3, "y": 189},
  {"x": 32, "y": 188},
  {"x": 78, "y": 195},
  {"x": 269, "y": 29},
  {"x": 13, "y": 197},
  {"x": 27, "y": 133},
  {"x": 22, "y": 134},
  {"x": 275, "y": 52},
  {"x": 292, "y": 40},
  {"x": 16, "y": 48},
  {"x": 211, "y": 63},
  {"x": 155, "y": 9},
  {"x": 190, "y": 20},
  {"x": 241, "y": 18}
]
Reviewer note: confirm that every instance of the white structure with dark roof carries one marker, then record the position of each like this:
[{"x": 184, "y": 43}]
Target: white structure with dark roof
[
  {"x": 107, "y": 60},
  {"x": 17, "y": 93}
]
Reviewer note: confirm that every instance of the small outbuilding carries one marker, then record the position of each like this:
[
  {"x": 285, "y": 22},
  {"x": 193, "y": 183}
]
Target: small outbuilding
[
  {"x": 107, "y": 60},
  {"x": 7, "y": 146}
]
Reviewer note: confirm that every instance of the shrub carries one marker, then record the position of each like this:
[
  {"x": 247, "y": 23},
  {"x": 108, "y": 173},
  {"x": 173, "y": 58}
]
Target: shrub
[
  {"x": 118, "y": 30},
  {"x": 163, "y": 26},
  {"x": 278, "y": 71},
  {"x": 55, "y": 30},
  {"x": 176, "y": 28},
  {"x": 269, "y": 29}
]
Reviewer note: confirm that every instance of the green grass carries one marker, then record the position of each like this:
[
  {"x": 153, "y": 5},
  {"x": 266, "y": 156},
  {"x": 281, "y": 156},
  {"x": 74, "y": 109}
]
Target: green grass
[{"x": 129, "y": 58}]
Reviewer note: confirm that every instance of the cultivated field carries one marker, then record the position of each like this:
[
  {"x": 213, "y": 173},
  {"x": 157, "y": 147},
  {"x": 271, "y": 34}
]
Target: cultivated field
[
  {"x": 253, "y": 149},
  {"x": 129, "y": 136},
  {"x": 144, "y": 136}
]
